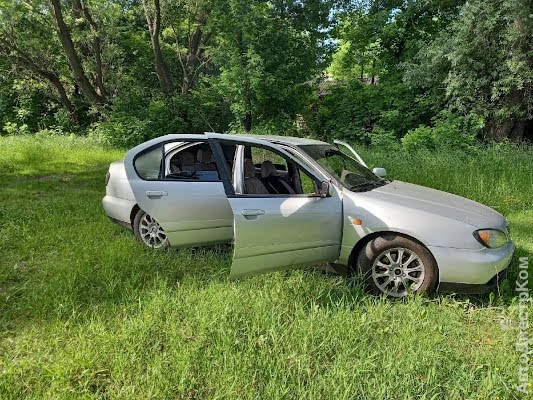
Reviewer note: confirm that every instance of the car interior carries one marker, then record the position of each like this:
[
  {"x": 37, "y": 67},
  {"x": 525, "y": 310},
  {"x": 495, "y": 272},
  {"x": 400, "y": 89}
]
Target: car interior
[
  {"x": 269, "y": 173},
  {"x": 265, "y": 172},
  {"x": 195, "y": 162}
]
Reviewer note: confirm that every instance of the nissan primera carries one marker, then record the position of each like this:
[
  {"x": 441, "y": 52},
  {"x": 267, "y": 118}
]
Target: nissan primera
[{"x": 286, "y": 202}]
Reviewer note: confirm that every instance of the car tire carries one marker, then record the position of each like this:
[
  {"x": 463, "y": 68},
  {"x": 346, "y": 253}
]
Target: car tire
[
  {"x": 396, "y": 266},
  {"x": 148, "y": 231}
]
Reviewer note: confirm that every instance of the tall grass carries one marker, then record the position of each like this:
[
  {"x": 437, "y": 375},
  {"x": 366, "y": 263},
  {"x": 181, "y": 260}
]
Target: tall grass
[
  {"x": 85, "y": 312},
  {"x": 498, "y": 175}
]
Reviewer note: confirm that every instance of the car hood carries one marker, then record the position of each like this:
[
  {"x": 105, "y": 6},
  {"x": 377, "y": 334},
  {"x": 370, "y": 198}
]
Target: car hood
[{"x": 437, "y": 202}]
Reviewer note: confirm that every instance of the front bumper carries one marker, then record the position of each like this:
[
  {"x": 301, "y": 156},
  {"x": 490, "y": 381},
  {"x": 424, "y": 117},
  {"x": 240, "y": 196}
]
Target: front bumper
[
  {"x": 471, "y": 288},
  {"x": 472, "y": 267}
]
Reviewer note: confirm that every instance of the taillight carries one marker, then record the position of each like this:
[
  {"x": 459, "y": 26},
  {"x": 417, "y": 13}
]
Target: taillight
[{"x": 107, "y": 176}]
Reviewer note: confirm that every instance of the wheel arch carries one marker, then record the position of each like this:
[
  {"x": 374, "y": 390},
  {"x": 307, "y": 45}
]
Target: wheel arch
[
  {"x": 368, "y": 238},
  {"x": 133, "y": 213}
]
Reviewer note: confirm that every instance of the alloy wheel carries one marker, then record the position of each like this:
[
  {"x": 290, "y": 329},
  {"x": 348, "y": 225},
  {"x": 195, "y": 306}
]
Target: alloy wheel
[
  {"x": 151, "y": 233},
  {"x": 398, "y": 272}
]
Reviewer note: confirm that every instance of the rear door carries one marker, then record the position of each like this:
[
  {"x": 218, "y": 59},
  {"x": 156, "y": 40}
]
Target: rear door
[
  {"x": 280, "y": 231},
  {"x": 180, "y": 191}
]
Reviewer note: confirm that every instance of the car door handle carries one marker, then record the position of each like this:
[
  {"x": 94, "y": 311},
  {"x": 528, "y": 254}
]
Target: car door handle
[
  {"x": 155, "y": 193},
  {"x": 252, "y": 213}
]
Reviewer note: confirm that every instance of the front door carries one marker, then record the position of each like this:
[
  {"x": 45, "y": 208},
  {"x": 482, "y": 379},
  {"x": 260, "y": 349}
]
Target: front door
[
  {"x": 279, "y": 220},
  {"x": 275, "y": 233}
]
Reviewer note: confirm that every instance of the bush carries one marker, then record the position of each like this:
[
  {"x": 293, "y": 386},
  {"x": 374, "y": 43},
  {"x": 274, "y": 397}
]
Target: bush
[
  {"x": 449, "y": 131},
  {"x": 382, "y": 138},
  {"x": 137, "y": 117},
  {"x": 127, "y": 127},
  {"x": 12, "y": 128},
  {"x": 282, "y": 125},
  {"x": 352, "y": 110}
]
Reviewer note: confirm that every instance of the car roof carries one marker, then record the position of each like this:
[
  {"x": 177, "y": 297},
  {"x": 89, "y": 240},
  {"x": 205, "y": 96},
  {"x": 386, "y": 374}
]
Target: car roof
[
  {"x": 297, "y": 141},
  {"x": 290, "y": 140}
]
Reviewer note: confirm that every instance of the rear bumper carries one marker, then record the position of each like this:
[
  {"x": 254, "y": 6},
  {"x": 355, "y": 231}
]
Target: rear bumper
[
  {"x": 480, "y": 269},
  {"x": 119, "y": 210}
]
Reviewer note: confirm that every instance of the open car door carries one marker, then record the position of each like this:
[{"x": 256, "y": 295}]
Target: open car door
[{"x": 280, "y": 231}]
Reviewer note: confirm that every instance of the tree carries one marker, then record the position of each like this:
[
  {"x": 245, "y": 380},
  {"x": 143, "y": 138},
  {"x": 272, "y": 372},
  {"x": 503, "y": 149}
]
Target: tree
[
  {"x": 491, "y": 57},
  {"x": 190, "y": 24},
  {"x": 482, "y": 65},
  {"x": 267, "y": 52},
  {"x": 80, "y": 9}
]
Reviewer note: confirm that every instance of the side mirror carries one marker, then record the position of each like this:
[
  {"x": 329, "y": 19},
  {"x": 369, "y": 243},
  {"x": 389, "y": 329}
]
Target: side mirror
[
  {"x": 323, "y": 190},
  {"x": 381, "y": 172}
]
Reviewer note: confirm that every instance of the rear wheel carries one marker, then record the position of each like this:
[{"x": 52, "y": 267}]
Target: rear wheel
[
  {"x": 397, "y": 266},
  {"x": 148, "y": 231}
]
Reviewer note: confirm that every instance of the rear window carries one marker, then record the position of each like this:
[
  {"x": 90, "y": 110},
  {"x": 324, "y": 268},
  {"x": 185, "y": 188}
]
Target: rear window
[{"x": 148, "y": 164}]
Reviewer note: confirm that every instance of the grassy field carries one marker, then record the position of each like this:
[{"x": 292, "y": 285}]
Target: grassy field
[{"x": 86, "y": 313}]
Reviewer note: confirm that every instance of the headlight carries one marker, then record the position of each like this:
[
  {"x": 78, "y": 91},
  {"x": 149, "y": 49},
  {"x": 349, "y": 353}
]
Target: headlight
[{"x": 491, "y": 238}]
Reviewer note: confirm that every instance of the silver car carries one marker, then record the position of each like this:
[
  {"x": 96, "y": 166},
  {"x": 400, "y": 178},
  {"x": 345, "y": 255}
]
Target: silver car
[{"x": 286, "y": 201}]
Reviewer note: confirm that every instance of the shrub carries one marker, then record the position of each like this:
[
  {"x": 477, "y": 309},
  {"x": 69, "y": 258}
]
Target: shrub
[
  {"x": 351, "y": 110},
  {"x": 419, "y": 138},
  {"x": 137, "y": 117},
  {"x": 12, "y": 128},
  {"x": 449, "y": 131},
  {"x": 129, "y": 127},
  {"x": 383, "y": 138}
]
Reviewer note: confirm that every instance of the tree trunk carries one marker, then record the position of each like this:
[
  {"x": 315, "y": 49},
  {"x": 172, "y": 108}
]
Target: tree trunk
[
  {"x": 63, "y": 98},
  {"x": 247, "y": 120},
  {"x": 161, "y": 67},
  {"x": 72, "y": 57},
  {"x": 511, "y": 129},
  {"x": 77, "y": 13},
  {"x": 193, "y": 56},
  {"x": 97, "y": 50},
  {"x": 373, "y": 71}
]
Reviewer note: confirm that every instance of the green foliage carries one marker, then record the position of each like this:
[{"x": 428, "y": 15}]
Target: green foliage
[
  {"x": 11, "y": 128},
  {"x": 352, "y": 110},
  {"x": 448, "y": 132},
  {"x": 127, "y": 128},
  {"x": 483, "y": 60},
  {"x": 498, "y": 36},
  {"x": 263, "y": 81},
  {"x": 324, "y": 68},
  {"x": 379, "y": 137},
  {"x": 137, "y": 117}
]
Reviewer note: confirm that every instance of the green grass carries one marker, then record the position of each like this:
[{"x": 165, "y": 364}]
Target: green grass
[{"x": 85, "y": 312}]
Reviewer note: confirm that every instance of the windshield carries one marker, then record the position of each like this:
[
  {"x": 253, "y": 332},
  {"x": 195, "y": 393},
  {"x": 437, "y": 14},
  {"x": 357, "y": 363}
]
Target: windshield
[{"x": 344, "y": 168}]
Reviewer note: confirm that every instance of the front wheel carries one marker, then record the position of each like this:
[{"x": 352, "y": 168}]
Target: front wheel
[
  {"x": 397, "y": 266},
  {"x": 148, "y": 231}
]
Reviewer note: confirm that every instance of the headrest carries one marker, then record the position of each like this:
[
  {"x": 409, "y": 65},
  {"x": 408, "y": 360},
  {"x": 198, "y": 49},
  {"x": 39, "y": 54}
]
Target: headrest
[
  {"x": 186, "y": 158},
  {"x": 249, "y": 168},
  {"x": 205, "y": 156},
  {"x": 268, "y": 169}
]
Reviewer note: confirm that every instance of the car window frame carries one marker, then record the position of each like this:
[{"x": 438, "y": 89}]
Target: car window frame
[
  {"x": 281, "y": 152},
  {"x": 162, "y": 144}
]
